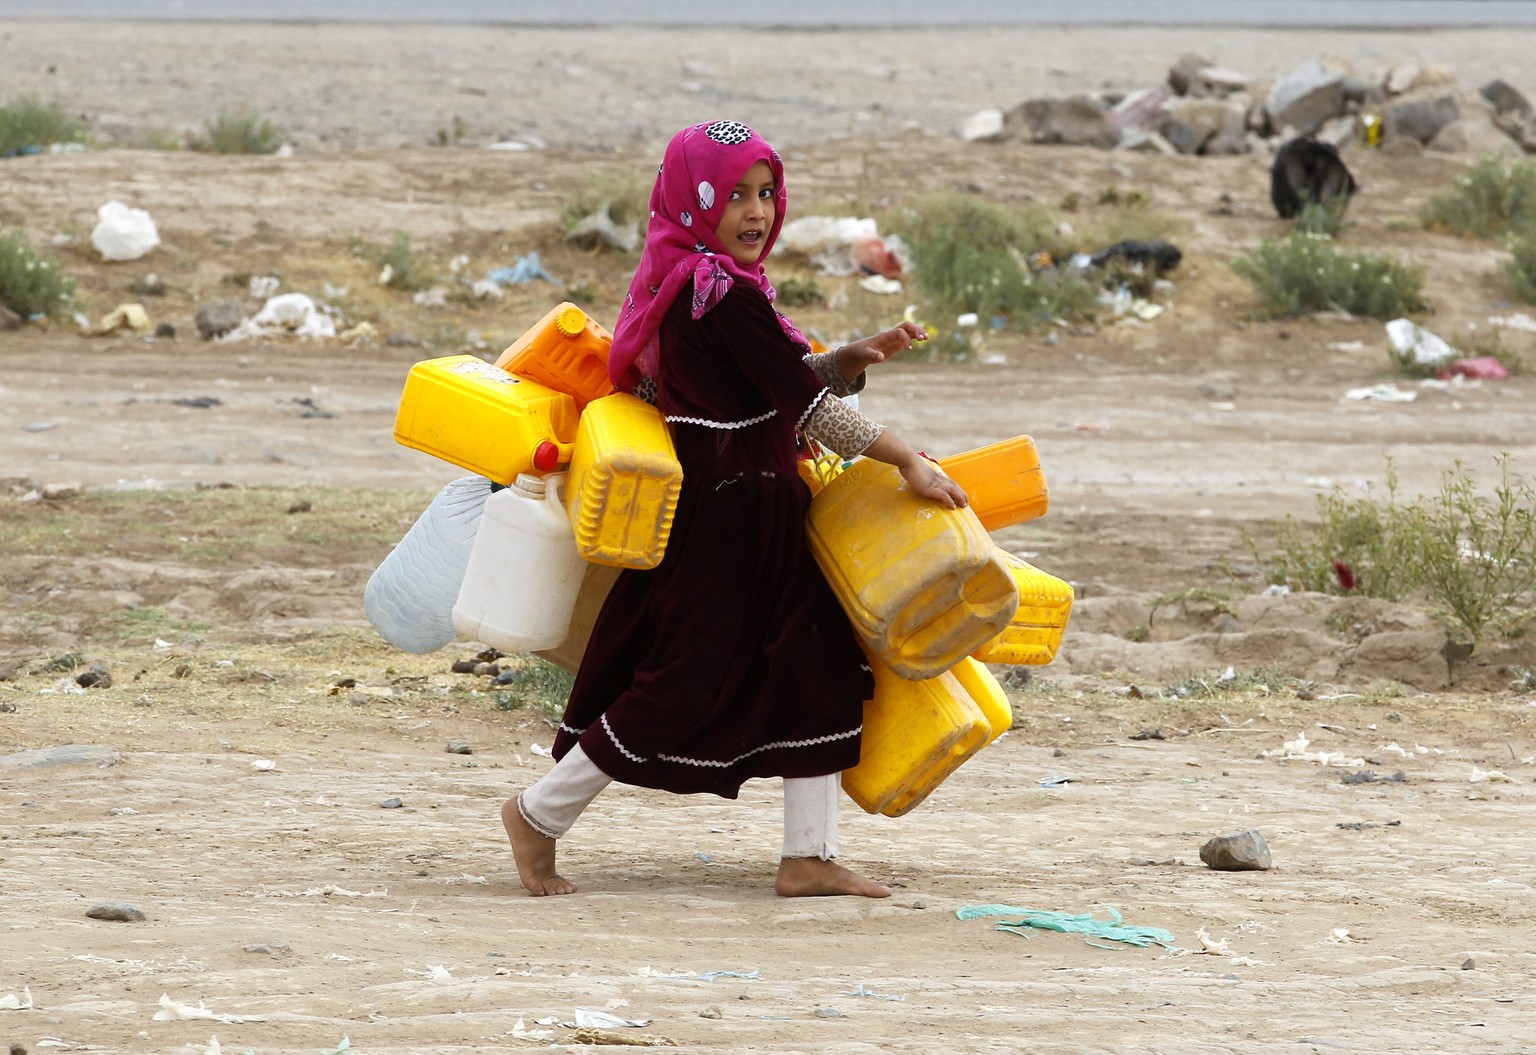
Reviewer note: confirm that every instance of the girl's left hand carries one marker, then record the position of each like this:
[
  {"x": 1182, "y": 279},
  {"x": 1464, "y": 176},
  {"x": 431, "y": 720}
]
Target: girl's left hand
[{"x": 854, "y": 358}]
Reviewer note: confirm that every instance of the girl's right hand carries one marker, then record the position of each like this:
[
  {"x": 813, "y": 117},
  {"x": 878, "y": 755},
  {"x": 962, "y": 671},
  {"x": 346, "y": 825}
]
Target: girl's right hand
[{"x": 925, "y": 479}]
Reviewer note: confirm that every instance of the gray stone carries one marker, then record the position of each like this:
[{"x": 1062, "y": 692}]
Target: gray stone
[
  {"x": 68, "y": 755},
  {"x": 216, "y": 319},
  {"x": 460, "y": 747},
  {"x": 116, "y": 911},
  {"x": 1217, "y": 82},
  {"x": 1473, "y": 134},
  {"x": 1243, "y": 851},
  {"x": 1418, "y": 116},
  {"x": 1077, "y": 121},
  {"x": 1505, "y": 98},
  {"x": 1340, "y": 132},
  {"x": 1306, "y": 97},
  {"x": 1191, "y": 125},
  {"x": 1401, "y": 77},
  {"x": 1182, "y": 75}
]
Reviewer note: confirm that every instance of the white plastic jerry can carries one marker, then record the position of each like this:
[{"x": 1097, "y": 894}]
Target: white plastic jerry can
[{"x": 524, "y": 573}]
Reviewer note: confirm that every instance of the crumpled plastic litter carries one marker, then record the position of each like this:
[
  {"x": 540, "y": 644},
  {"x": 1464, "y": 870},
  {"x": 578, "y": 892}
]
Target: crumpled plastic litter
[
  {"x": 862, "y": 990},
  {"x": 1518, "y": 321},
  {"x": 1112, "y": 929},
  {"x": 880, "y": 284},
  {"x": 844, "y": 245},
  {"x": 1412, "y": 343},
  {"x": 171, "y": 1011},
  {"x": 524, "y": 269},
  {"x": 122, "y": 317},
  {"x": 285, "y": 315},
  {"x": 601, "y": 229},
  {"x": 1386, "y": 392},
  {"x": 1296, "y": 751},
  {"x": 123, "y": 232},
  {"x": 1484, "y": 367},
  {"x": 12, "y": 1002}
]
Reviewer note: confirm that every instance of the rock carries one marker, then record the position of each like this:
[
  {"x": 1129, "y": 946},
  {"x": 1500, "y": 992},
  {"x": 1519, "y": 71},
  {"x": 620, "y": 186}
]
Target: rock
[
  {"x": 269, "y": 948},
  {"x": 1183, "y": 73},
  {"x": 1196, "y": 126},
  {"x": 1473, "y": 134},
  {"x": 460, "y": 747},
  {"x": 1505, "y": 98},
  {"x": 984, "y": 126},
  {"x": 1419, "y": 116},
  {"x": 61, "y": 492},
  {"x": 95, "y": 676},
  {"x": 9, "y": 320},
  {"x": 1215, "y": 82},
  {"x": 1402, "y": 147},
  {"x": 1243, "y": 851},
  {"x": 465, "y": 666},
  {"x": 1413, "y": 657},
  {"x": 116, "y": 911},
  {"x": 1306, "y": 97},
  {"x": 392, "y": 803},
  {"x": 1077, "y": 121},
  {"x": 1401, "y": 77},
  {"x": 1340, "y": 132},
  {"x": 216, "y": 319},
  {"x": 165, "y": 330}
]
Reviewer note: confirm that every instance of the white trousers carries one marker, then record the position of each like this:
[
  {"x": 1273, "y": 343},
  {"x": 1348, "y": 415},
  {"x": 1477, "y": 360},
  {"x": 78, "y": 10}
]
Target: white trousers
[{"x": 554, "y": 802}]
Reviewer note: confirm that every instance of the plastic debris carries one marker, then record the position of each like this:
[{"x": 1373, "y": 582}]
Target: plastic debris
[
  {"x": 1114, "y": 928},
  {"x": 12, "y": 1002},
  {"x": 171, "y": 1011},
  {"x": 880, "y": 284},
  {"x": 1308, "y": 170},
  {"x": 522, "y": 1032},
  {"x": 524, "y": 269},
  {"x": 601, "y": 229},
  {"x": 1296, "y": 751},
  {"x": 1412, "y": 344},
  {"x": 1518, "y": 321},
  {"x": 862, "y": 990},
  {"x": 1484, "y": 367},
  {"x": 122, "y": 317},
  {"x": 285, "y": 315},
  {"x": 591, "y": 1017},
  {"x": 1057, "y": 781},
  {"x": 1386, "y": 392},
  {"x": 123, "y": 232}
]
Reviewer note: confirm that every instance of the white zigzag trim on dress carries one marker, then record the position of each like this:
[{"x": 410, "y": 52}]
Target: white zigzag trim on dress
[
  {"x": 810, "y": 409},
  {"x": 577, "y": 732},
  {"x": 721, "y": 424},
  {"x": 756, "y": 750},
  {"x": 626, "y": 752}
]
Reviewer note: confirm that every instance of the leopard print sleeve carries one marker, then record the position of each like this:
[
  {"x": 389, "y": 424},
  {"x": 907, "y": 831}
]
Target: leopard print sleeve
[
  {"x": 825, "y": 365},
  {"x": 837, "y": 426}
]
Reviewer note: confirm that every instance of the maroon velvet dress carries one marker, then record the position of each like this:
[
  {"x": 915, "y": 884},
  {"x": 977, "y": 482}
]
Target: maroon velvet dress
[{"x": 731, "y": 659}]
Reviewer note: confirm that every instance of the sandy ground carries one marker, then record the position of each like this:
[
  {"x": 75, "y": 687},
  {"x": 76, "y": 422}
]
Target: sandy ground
[{"x": 1397, "y": 916}]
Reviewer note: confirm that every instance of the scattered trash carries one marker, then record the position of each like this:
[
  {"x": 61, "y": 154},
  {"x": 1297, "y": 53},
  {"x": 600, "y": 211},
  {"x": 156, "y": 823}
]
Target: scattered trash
[
  {"x": 1484, "y": 367},
  {"x": 521, "y": 1032},
  {"x": 880, "y": 284},
  {"x": 1341, "y": 936},
  {"x": 1518, "y": 321},
  {"x": 1385, "y": 392},
  {"x": 708, "y": 976},
  {"x": 1307, "y": 170},
  {"x": 1275, "y": 590},
  {"x": 12, "y": 1002},
  {"x": 285, "y": 315},
  {"x": 1296, "y": 751},
  {"x": 589, "y": 1017},
  {"x": 1413, "y": 345},
  {"x": 845, "y": 245},
  {"x": 171, "y": 1011},
  {"x": 524, "y": 269},
  {"x": 123, "y": 317},
  {"x": 123, "y": 232},
  {"x": 1490, "y": 776},
  {"x": 1112, "y": 929},
  {"x": 1057, "y": 781},
  {"x": 601, "y": 229},
  {"x": 862, "y": 990},
  {"x": 264, "y": 765}
]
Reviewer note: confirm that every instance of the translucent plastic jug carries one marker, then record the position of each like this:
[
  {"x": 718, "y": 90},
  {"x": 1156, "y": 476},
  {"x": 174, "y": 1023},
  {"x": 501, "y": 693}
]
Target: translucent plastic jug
[
  {"x": 1033, "y": 635},
  {"x": 1003, "y": 481},
  {"x": 410, "y": 596},
  {"x": 463, "y": 410},
  {"x": 625, "y": 479},
  {"x": 567, "y": 351},
  {"x": 524, "y": 572},
  {"x": 923, "y": 585},
  {"x": 916, "y": 733}
]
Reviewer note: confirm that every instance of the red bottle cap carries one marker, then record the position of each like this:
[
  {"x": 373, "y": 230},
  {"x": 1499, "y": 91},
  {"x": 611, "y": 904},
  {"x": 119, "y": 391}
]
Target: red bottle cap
[{"x": 546, "y": 456}]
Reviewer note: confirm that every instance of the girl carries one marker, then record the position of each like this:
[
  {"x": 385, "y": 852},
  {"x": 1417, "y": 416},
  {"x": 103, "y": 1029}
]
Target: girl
[{"x": 731, "y": 659}]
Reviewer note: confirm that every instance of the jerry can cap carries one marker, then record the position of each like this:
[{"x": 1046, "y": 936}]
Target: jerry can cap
[{"x": 570, "y": 321}]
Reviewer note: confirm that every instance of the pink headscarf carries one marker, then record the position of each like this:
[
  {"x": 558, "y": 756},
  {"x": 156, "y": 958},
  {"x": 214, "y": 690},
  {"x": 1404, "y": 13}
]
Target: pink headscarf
[{"x": 700, "y": 169}]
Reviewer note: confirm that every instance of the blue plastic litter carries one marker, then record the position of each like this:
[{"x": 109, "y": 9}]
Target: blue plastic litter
[
  {"x": 524, "y": 269},
  {"x": 1112, "y": 929}
]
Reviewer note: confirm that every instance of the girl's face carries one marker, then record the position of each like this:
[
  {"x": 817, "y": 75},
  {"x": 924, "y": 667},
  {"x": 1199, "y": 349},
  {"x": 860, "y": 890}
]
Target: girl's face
[{"x": 748, "y": 216}]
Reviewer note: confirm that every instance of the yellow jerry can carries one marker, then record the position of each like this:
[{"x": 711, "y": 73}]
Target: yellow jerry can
[{"x": 624, "y": 483}]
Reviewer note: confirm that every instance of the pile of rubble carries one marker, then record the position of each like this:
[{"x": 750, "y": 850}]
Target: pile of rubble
[{"x": 1207, "y": 109}]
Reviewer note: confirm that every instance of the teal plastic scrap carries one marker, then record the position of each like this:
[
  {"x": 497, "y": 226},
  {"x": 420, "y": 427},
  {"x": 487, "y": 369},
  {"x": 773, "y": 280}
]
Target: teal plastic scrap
[{"x": 1113, "y": 928}]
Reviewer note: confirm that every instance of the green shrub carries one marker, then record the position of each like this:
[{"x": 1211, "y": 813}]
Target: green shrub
[
  {"x": 1520, "y": 268},
  {"x": 1326, "y": 218},
  {"x": 972, "y": 256},
  {"x": 1471, "y": 554},
  {"x": 399, "y": 267},
  {"x": 1493, "y": 195},
  {"x": 239, "y": 133},
  {"x": 28, "y": 123},
  {"x": 799, "y": 293},
  {"x": 31, "y": 284},
  {"x": 1304, "y": 273}
]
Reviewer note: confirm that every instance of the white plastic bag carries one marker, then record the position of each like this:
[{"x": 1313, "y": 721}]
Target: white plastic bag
[
  {"x": 410, "y": 596},
  {"x": 123, "y": 232},
  {"x": 1412, "y": 343}
]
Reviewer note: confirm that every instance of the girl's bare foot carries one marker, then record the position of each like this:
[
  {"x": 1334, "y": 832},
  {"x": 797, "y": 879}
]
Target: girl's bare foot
[
  {"x": 534, "y": 853},
  {"x": 813, "y": 877}
]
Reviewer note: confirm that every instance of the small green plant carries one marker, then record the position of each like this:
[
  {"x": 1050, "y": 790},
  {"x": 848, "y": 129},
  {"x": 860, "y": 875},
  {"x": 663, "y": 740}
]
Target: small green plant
[
  {"x": 239, "y": 133},
  {"x": 1304, "y": 273},
  {"x": 539, "y": 684},
  {"x": 1494, "y": 195},
  {"x": 1523, "y": 679},
  {"x": 799, "y": 293},
  {"x": 399, "y": 267},
  {"x": 1138, "y": 633},
  {"x": 1325, "y": 218},
  {"x": 1208, "y": 683},
  {"x": 454, "y": 134},
  {"x": 28, "y": 124},
  {"x": 31, "y": 284},
  {"x": 1520, "y": 268},
  {"x": 972, "y": 256}
]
